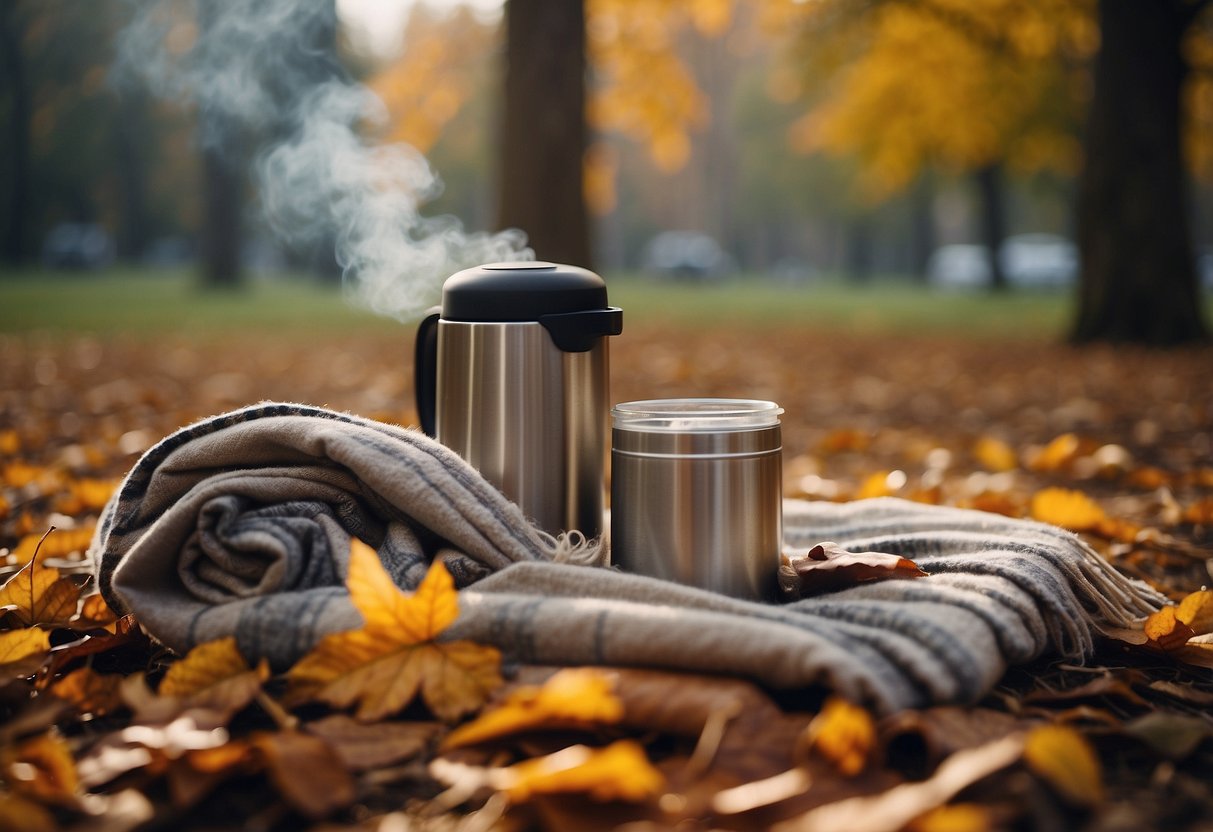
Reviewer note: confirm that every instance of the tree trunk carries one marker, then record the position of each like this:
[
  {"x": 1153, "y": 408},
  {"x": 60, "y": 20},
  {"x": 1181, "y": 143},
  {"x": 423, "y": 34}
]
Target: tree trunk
[
  {"x": 543, "y": 128},
  {"x": 132, "y": 148},
  {"x": 13, "y": 237},
  {"x": 922, "y": 225},
  {"x": 991, "y": 193},
  {"x": 1138, "y": 281},
  {"x": 222, "y": 225}
]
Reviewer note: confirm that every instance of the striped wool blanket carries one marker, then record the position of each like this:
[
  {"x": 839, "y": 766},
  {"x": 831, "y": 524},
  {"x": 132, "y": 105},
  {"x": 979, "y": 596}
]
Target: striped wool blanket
[{"x": 241, "y": 524}]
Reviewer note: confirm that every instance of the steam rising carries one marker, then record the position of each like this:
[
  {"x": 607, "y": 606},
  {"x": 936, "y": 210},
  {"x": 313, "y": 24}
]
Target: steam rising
[{"x": 258, "y": 68}]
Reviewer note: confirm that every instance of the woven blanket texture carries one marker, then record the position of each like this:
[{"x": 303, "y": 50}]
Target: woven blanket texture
[{"x": 241, "y": 524}]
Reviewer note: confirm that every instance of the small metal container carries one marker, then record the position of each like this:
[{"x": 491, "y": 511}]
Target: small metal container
[{"x": 696, "y": 493}]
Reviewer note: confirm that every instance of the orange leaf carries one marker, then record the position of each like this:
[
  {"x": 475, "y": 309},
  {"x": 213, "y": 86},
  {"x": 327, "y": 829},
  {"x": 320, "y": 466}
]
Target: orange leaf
[
  {"x": 571, "y": 697},
  {"x": 95, "y": 612},
  {"x": 620, "y": 771},
  {"x": 1061, "y": 757},
  {"x": 1070, "y": 509},
  {"x": 37, "y": 595},
  {"x": 842, "y": 733},
  {"x": 19, "y": 813},
  {"x": 41, "y": 768},
  {"x": 1057, "y": 454},
  {"x": 1196, "y": 610},
  {"x": 994, "y": 454},
  {"x": 62, "y": 544},
  {"x": 394, "y": 656},
  {"x": 828, "y": 567},
  {"x": 91, "y": 692}
]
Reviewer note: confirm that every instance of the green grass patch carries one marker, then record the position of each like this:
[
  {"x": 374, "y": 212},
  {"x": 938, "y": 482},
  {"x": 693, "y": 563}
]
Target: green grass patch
[{"x": 150, "y": 302}]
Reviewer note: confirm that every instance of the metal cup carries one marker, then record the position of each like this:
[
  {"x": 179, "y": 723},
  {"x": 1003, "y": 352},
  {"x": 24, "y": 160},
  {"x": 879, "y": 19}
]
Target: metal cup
[{"x": 696, "y": 493}]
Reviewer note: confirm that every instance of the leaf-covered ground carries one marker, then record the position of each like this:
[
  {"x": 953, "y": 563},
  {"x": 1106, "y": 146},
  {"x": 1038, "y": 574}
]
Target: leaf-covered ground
[{"x": 103, "y": 730}]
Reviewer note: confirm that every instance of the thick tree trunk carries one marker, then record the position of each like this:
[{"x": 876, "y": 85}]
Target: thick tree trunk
[
  {"x": 222, "y": 217},
  {"x": 13, "y": 242},
  {"x": 991, "y": 195},
  {"x": 132, "y": 149},
  {"x": 922, "y": 225},
  {"x": 1138, "y": 281},
  {"x": 543, "y": 128}
]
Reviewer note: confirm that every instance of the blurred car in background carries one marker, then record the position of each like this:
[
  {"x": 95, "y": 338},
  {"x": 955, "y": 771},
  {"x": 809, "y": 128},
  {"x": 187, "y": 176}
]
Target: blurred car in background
[
  {"x": 77, "y": 245},
  {"x": 686, "y": 255},
  {"x": 1028, "y": 261}
]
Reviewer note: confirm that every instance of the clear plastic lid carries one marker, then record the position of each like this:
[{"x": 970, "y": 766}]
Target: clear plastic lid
[{"x": 691, "y": 415}]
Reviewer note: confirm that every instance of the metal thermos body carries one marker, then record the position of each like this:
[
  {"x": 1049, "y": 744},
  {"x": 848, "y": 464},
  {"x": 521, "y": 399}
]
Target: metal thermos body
[
  {"x": 696, "y": 493},
  {"x": 512, "y": 374},
  {"x": 529, "y": 416}
]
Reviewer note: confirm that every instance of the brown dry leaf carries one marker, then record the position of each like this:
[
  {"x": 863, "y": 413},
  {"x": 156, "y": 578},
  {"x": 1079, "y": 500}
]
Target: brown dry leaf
[
  {"x": 1064, "y": 759},
  {"x": 1069, "y": 509},
  {"x": 893, "y": 808},
  {"x": 37, "y": 595},
  {"x": 828, "y": 567},
  {"x": 574, "y": 697},
  {"x": 995, "y": 455},
  {"x": 384, "y": 665},
  {"x": 17, "y": 813},
  {"x": 996, "y": 502},
  {"x": 620, "y": 771},
  {"x": 362, "y": 746},
  {"x": 196, "y": 774},
  {"x": 1173, "y": 736},
  {"x": 1109, "y": 684},
  {"x": 42, "y": 768},
  {"x": 307, "y": 772},
  {"x": 842, "y": 733},
  {"x": 91, "y": 692}
]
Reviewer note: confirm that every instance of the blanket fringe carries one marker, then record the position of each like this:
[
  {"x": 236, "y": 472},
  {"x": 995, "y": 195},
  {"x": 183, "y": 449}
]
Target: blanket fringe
[{"x": 575, "y": 549}]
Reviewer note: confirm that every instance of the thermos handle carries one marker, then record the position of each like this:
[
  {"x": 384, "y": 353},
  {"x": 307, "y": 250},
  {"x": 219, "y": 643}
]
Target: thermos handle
[{"x": 425, "y": 370}]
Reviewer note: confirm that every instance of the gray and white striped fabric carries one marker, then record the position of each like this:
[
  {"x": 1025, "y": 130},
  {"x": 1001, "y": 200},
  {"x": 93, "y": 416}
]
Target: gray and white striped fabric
[{"x": 240, "y": 525}]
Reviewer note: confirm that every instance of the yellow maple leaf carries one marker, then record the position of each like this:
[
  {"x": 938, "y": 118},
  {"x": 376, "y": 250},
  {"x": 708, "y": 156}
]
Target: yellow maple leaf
[
  {"x": 213, "y": 676},
  {"x": 394, "y": 656},
  {"x": 37, "y": 595},
  {"x": 19, "y": 644},
  {"x": 842, "y": 733},
  {"x": 1065, "y": 760},
  {"x": 620, "y": 771},
  {"x": 1066, "y": 508},
  {"x": 572, "y": 697}
]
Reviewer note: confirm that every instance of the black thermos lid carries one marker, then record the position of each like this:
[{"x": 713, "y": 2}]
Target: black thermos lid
[{"x": 569, "y": 301}]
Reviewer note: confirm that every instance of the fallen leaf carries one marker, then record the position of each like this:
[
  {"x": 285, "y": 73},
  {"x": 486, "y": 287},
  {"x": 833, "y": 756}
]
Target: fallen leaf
[
  {"x": 1196, "y": 610},
  {"x": 91, "y": 692},
  {"x": 384, "y": 665},
  {"x": 95, "y": 613},
  {"x": 845, "y": 439},
  {"x": 1057, "y": 454},
  {"x": 575, "y": 697},
  {"x": 205, "y": 667},
  {"x": 42, "y": 768},
  {"x": 994, "y": 454},
  {"x": 1108, "y": 684},
  {"x": 363, "y": 746},
  {"x": 17, "y": 645},
  {"x": 37, "y": 595},
  {"x": 1184, "y": 692},
  {"x": 842, "y": 733},
  {"x": 64, "y": 543},
  {"x": 828, "y": 567},
  {"x": 893, "y": 808},
  {"x": 1173, "y": 736},
  {"x": 958, "y": 817},
  {"x": 307, "y": 772},
  {"x": 1165, "y": 631},
  {"x": 1069, "y": 509},
  {"x": 1200, "y": 512},
  {"x": 1064, "y": 759},
  {"x": 620, "y": 771},
  {"x": 213, "y": 677}
]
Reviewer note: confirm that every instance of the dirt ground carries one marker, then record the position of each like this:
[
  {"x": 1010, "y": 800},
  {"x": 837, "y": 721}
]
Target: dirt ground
[{"x": 980, "y": 423}]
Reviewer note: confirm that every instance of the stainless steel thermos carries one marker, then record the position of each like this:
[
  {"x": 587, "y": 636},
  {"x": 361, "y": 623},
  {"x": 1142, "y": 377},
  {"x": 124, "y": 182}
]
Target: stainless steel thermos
[
  {"x": 512, "y": 374},
  {"x": 696, "y": 493}
]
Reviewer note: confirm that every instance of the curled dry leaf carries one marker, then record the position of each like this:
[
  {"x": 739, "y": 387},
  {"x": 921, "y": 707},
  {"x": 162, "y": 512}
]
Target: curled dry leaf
[
  {"x": 384, "y": 665},
  {"x": 842, "y": 733},
  {"x": 828, "y": 567},
  {"x": 574, "y": 697},
  {"x": 1063, "y": 758}
]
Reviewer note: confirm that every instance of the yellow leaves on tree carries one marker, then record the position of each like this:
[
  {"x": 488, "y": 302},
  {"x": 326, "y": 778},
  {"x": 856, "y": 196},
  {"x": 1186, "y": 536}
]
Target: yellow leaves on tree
[
  {"x": 395, "y": 655},
  {"x": 575, "y": 697},
  {"x": 963, "y": 83}
]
